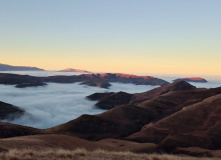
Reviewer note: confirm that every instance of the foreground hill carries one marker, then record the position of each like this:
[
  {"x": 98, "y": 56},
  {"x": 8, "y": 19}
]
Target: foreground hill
[
  {"x": 82, "y": 154},
  {"x": 57, "y": 141},
  {"x": 5, "y": 67},
  {"x": 116, "y": 123},
  {"x": 198, "y": 124}
]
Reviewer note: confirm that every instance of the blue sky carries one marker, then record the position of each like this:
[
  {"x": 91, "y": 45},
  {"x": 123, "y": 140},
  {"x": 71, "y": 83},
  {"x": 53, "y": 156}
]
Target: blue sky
[{"x": 143, "y": 36}]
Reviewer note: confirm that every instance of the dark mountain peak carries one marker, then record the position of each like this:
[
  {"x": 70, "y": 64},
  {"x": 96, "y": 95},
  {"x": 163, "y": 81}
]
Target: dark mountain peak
[{"x": 180, "y": 85}]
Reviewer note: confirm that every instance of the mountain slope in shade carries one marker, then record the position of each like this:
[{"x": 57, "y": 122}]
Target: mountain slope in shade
[
  {"x": 198, "y": 124},
  {"x": 118, "y": 122},
  {"x": 8, "y": 111},
  {"x": 176, "y": 86},
  {"x": 13, "y": 130},
  {"x": 74, "y": 70},
  {"x": 111, "y": 100},
  {"x": 5, "y": 67},
  {"x": 192, "y": 79}
]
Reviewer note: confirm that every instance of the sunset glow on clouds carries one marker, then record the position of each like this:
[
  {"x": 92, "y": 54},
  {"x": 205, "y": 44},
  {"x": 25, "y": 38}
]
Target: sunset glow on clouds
[{"x": 145, "y": 36}]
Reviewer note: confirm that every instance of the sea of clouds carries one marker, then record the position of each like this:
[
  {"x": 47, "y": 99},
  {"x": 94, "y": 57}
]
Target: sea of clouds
[{"x": 56, "y": 103}]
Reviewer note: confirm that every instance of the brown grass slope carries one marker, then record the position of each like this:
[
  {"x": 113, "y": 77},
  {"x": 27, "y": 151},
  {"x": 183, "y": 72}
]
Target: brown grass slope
[
  {"x": 198, "y": 124},
  {"x": 115, "y": 123},
  {"x": 111, "y": 100},
  {"x": 13, "y": 130},
  {"x": 124, "y": 120},
  {"x": 176, "y": 86},
  {"x": 56, "y": 141},
  {"x": 82, "y": 154},
  {"x": 174, "y": 101}
]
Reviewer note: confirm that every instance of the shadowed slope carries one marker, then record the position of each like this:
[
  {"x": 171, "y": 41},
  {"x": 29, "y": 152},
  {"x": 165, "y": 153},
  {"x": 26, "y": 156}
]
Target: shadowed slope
[
  {"x": 172, "y": 102},
  {"x": 13, "y": 130},
  {"x": 120, "y": 121},
  {"x": 115, "y": 123},
  {"x": 8, "y": 111},
  {"x": 111, "y": 100},
  {"x": 99, "y": 96},
  {"x": 176, "y": 86},
  {"x": 196, "y": 125}
]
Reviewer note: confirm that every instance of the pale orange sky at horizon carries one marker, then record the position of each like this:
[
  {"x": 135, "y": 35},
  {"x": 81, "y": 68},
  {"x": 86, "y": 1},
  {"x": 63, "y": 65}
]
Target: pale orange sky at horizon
[
  {"x": 140, "y": 37},
  {"x": 144, "y": 66}
]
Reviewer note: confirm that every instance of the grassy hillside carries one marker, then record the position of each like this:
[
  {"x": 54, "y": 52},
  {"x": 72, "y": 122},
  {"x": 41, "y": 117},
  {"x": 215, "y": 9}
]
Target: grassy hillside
[{"x": 81, "y": 154}]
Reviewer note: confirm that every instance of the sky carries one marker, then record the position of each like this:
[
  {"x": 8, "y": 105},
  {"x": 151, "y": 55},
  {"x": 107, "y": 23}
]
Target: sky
[{"x": 130, "y": 36}]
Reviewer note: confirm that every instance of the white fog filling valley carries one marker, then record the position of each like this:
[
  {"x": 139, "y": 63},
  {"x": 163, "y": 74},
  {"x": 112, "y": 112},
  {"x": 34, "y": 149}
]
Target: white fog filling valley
[{"x": 56, "y": 103}]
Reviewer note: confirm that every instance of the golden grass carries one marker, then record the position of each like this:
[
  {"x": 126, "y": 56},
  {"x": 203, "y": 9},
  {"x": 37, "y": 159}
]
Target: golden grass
[{"x": 82, "y": 154}]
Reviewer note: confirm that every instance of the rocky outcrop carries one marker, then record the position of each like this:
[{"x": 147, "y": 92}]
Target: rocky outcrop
[
  {"x": 5, "y": 67},
  {"x": 35, "y": 84},
  {"x": 8, "y": 111},
  {"x": 192, "y": 79}
]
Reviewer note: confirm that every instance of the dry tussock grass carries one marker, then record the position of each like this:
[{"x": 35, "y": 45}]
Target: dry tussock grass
[{"x": 82, "y": 154}]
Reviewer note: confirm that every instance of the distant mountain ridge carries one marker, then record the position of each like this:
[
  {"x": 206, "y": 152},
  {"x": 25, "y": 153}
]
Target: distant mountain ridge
[
  {"x": 74, "y": 70},
  {"x": 97, "y": 80},
  {"x": 192, "y": 79},
  {"x": 5, "y": 67}
]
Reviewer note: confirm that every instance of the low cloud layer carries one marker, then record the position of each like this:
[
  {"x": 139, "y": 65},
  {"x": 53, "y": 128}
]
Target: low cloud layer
[{"x": 55, "y": 103}]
